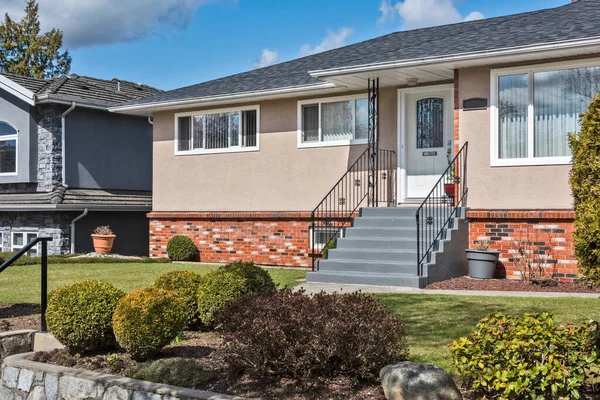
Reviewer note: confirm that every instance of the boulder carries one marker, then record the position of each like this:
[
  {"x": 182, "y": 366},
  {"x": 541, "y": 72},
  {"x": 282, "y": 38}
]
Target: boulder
[{"x": 412, "y": 381}]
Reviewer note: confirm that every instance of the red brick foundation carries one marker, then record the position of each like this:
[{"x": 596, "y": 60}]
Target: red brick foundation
[
  {"x": 267, "y": 238},
  {"x": 548, "y": 228}
]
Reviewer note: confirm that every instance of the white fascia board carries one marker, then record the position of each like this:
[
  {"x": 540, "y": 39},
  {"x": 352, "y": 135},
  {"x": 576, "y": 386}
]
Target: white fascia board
[
  {"x": 73, "y": 207},
  {"x": 227, "y": 97},
  {"x": 511, "y": 51},
  {"x": 17, "y": 90}
]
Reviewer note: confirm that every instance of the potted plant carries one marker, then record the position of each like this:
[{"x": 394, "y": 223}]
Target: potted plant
[
  {"x": 103, "y": 238},
  {"x": 450, "y": 185},
  {"x": 482, "y": 261}
]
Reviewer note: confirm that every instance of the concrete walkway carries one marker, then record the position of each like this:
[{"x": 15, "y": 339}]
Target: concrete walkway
[{"x": 333, "y": 287}]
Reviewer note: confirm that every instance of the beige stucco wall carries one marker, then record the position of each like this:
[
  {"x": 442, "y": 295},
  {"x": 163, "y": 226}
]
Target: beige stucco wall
[
  {"x": 279, "y": 177},
  {"x": 522, "y": 187}
]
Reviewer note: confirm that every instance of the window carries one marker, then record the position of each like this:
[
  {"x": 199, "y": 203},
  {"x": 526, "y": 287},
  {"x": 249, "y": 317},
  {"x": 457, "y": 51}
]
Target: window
[
  {"x": 430, "y": 123},
  {"x": 8, "y": 149},
  {"x": 217, "y": 131},
  {"x": 21, "y": 239},
  {"x": 334, "y": 121},
  {"x": 536, "y": 108},
  {"x": 324, "y": 233}
]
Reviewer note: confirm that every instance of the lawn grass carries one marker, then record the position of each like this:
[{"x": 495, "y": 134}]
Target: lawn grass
[
  {"x": 433, "y": 321},
  {"x": 21, "y": 284}
]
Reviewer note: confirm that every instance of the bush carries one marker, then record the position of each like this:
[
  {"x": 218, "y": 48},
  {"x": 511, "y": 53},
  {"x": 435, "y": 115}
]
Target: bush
[
  {"x": 584, "y": 178},
  {"x": 185, "y": 284},
  {"x": 80, "y": 315},
  {"x": 23, "y": 260},
  {"x": 183, "y": 372},
  {"x": 290, "y": 334},
  {"x": 529, "y": 357},
  {"x": 229, "y": 283},
  {"x": 146, "y": 320},
  {"x": 182, "y": 248}
]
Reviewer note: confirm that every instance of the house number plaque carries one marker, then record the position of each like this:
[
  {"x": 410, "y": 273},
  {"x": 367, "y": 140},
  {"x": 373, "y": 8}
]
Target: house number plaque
[{"x": 429, "y": 153}]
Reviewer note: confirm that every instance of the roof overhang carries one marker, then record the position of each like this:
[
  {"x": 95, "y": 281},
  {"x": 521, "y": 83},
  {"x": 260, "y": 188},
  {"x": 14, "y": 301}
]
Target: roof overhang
[
  {"x": 440, "y": 68},
  {"x": 17, "y": 90},
  {"x": 148, "y": 108}
]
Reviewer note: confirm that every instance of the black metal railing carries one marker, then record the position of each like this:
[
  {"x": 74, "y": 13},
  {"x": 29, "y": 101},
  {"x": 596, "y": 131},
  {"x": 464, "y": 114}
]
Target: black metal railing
[
  {"x": 44, "y": 261},
  {"x": 436, "y": 214},
  {"x": 352, "y": 191}
]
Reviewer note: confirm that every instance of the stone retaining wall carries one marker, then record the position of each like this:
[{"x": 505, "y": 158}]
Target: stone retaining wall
[
  {"x": 23, "y": 379},
  {"x": 15, "y": 342}
]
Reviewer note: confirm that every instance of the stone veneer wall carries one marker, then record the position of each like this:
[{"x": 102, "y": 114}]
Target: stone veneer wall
[
  {"x": 552, "y": 228},
  {"x": 27, "y": 380},
  {"x": 49, "y": 162},
  {"x": 15, "y": 342},
  {"x": 266, "y": 238},
  {"x": 51, "y": 224}
]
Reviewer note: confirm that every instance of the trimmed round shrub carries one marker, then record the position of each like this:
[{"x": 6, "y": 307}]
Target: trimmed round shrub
[
  {"x": 183, "y": 372},
  {"x": 229, "y": 283},
  {"x": 185, "y": 284},
  {"x": 291, "y": 334},
  {"x": 80, "y": 315},
  {"x": 584, "y": 178},
  {"x": 529, "y": 357},
  {"x": 182, "y": 248},
  {"x": 146, "y": 320}
]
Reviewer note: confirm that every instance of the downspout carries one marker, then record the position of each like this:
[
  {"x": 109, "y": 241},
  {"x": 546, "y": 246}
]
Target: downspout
[
  {"x": 63, "y": 137},
  {"x": 151, "y": 120},
  {"x": 85, "y": 212}
]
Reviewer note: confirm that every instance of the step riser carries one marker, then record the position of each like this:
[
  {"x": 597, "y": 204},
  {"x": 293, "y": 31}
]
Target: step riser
[
  {"x": 383, "y": 222},
  {"x": 371, "y": 267},
  {"x": 374, "y": 233},
  {"x": 357, "y": 243},
  {"x": 366, "y": 279},
  {"x": 388, "y": 212},
  {"x": 357, "y": 255}
]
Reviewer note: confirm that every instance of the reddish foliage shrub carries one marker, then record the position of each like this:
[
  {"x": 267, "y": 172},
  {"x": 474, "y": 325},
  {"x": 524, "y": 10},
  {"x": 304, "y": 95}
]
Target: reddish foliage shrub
[{"x": 298, "y": 336}]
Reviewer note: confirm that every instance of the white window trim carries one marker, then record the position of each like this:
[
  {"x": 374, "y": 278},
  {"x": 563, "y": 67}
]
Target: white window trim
[
  {"x": 236, "y": 149},
  {"x": 321, "y": 246},
  {"x": 25, "y": 242},
  {"x": 303, "y": 145},
  {"x": 14, "y": 137},
  {"x": 530, "y": 69}
]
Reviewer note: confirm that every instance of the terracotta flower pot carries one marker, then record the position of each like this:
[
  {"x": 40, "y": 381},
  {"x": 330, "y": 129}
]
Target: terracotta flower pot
[
  {"x": 450, "y": 189},
  {"x": 103, "y": 243}
]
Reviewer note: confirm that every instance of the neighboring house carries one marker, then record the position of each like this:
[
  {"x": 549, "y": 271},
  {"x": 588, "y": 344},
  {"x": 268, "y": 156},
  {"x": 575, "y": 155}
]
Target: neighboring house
[
  {"x": 68, "y": 165},
  {"x": 240, "y": 162}
]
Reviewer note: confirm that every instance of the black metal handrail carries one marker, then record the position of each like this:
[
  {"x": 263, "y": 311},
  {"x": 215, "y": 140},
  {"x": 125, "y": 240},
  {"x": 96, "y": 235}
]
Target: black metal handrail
[
  {"x": 352, "y": 191},
  {"x": 44, "y": 259},
  {"x": 439, "y": 208}
]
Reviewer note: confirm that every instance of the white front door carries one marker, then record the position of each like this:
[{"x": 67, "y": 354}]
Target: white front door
[{"x": 427, "y": 138}]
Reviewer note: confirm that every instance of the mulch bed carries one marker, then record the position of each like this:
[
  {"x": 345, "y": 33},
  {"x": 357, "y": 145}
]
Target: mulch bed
[
  {"x": 16, "y": 317},
  {"x": 206, "y": 348},
  {"x": 507, "y": 285}
]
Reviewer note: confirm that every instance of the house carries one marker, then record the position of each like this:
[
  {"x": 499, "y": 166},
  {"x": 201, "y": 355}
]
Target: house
[
  {"x": 67, "y": 164},
  {"x": 266, "y": 164}
]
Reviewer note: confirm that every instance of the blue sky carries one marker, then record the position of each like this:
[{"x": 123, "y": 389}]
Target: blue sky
[{"x": 177, "y": 43}]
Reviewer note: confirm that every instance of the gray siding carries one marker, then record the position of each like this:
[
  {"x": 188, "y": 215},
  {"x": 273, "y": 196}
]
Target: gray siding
[
  {"x": 17, "y": 113},
  {"x": 108, "y": 151}
]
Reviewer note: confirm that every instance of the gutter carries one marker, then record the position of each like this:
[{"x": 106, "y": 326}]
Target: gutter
[
  {"x": 455, "y": 57},
  {"x": 235, "y": 96},
  {"x": 85, "y": 212},
  {"x": 47, "y": 98},
  {"x": 63, "y": 136}
]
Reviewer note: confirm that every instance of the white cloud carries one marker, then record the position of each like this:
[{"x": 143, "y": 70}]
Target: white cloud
[
  {"x": 423, "y": 13},
  {"x": 331, "y": 41},
  {"x": 267, "y": 57},
  {"x": 93, "y": 22}
]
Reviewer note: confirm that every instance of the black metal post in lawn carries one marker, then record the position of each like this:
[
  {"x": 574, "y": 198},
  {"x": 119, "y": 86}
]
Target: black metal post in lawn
[{"x": 44, "y": 300}]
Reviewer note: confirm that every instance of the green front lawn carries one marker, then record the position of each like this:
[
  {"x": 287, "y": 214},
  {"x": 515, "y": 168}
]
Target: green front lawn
[
  {"x": 21, "y": 284},
  {"x": 433, "y": 321}
]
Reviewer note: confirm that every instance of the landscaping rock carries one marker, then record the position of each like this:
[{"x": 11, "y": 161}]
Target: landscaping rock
[
  {"x": 116, "y": 393},
  {"x": 412, "y": 381},
  {"x": 10, "y": 376},
  {"x": 75, "y": 389},
  {"x": 51, "y": 384},
  {"x": 37, "y": 394},
  {"x": 25, "y": 380}
]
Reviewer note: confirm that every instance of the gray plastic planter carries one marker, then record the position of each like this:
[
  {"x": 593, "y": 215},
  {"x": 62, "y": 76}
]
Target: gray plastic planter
[{"x": 482, "y": 264}]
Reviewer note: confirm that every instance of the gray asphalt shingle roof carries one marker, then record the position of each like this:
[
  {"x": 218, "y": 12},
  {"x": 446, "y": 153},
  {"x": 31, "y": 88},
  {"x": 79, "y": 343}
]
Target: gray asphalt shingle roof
[
  {"x": 570, "y": 22},
  {"x": 98, "y": 91}
]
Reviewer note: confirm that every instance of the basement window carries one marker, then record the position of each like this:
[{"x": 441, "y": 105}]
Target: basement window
[
  {"x": 217, "y": 131},
  {"x": 21, "y": 239},
  {"x": 323, "y": 235}
]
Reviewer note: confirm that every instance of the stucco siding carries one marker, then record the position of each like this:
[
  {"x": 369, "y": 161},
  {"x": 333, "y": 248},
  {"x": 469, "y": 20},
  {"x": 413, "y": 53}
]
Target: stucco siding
[
  {"x": 279, "y": 177},
  {"x": 18, "y": 114},
  {"x": 520, "y": 187}
]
